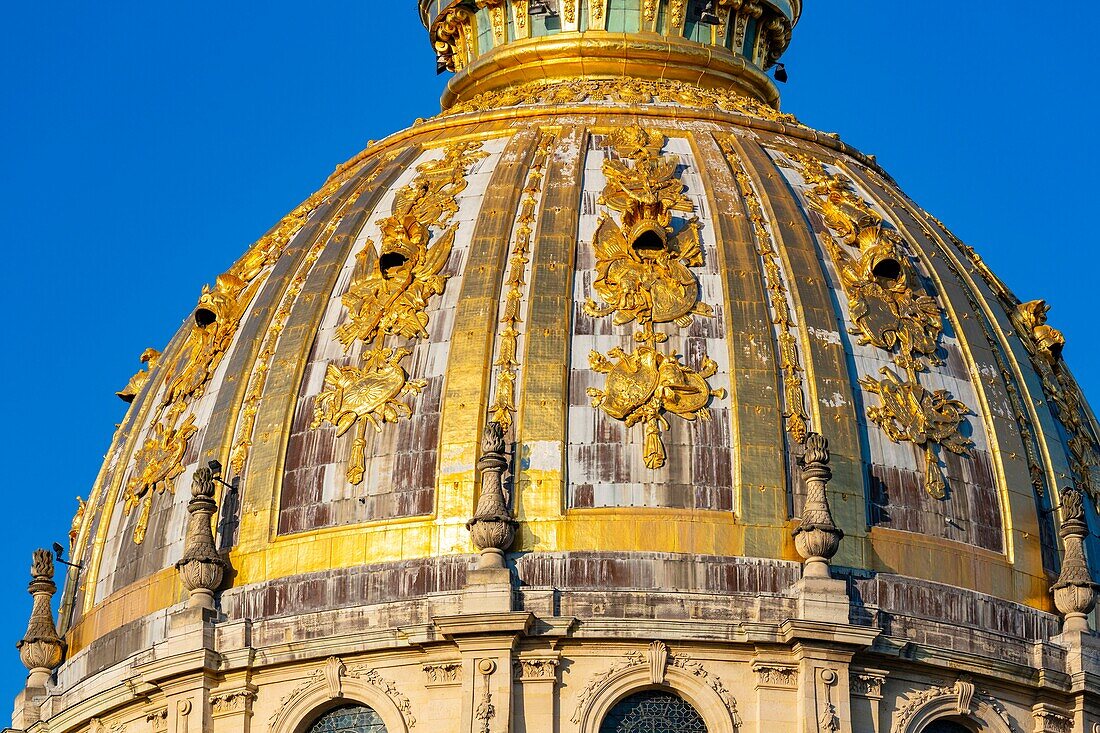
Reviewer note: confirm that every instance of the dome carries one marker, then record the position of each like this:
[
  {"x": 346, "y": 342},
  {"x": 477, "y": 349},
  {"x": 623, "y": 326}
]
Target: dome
[{"x": 615, "y": 321}]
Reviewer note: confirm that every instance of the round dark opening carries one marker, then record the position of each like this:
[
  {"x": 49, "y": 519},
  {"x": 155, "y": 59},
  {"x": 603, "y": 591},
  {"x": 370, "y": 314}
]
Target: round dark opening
[
  {"x": 390, "y": 262},
  {"x": 204, "y": 317},
  {"x": 888, "y": 269},
  {"x": 648, "y": 241}
]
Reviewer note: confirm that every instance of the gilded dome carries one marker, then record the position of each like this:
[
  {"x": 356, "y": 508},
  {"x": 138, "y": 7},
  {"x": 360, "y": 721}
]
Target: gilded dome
[{"x": 661, "y": 287}]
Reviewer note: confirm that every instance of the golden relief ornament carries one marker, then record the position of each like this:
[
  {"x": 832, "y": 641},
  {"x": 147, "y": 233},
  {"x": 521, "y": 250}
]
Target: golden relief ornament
[
  {"x": 643, "y": 277},
  {"x": 133, "y": 388},
  {"x": 389, "y": 296},
  {"x": 453, "y": 33},
  {"x": 891, "y": 311}
]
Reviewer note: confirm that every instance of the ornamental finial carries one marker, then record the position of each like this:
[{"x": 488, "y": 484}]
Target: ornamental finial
[
  {"x": 1075, "y": 591},
  {"x": 817, "y": 538},
  {"x": 492, "y": 527},
  {"x": 41, "y": 649},
  {"x": 201, "y": 568}
]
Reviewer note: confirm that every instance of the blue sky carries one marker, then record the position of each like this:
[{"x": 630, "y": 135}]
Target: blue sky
[{"x": 145, "y": 145}]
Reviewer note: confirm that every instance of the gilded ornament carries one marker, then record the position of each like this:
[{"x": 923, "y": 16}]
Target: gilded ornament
[
  {"x": 890, "y": 311},
  {"x": 503, "y": 407},
  {"x": 156, "y": 465},
  {"x": 642, "y": 276},
  {"x": 1031, "y": 320},
  {"x": 388, "y": 297},
  {"x": 78, "y": 519},
  {"x": 794, "y": 399},
  {"x": 452, "y": 39},
  {"x": 569, "y": 8},
  {"x": 910, "y": 413},
  {"x": 133, "y": 388},
  {"x": 497, "y": 19}
]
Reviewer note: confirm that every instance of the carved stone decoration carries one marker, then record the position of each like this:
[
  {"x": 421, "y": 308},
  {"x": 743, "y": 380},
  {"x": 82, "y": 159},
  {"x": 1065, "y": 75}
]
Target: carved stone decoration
[
  {"x": 658, "y": 662},
  {"x": 817, "y": 538},
  {"x": 631, "y": 659},
  {"x": 492, "y": 527},
  {"x": 334, "y": 670},
  {"x": 485, "y": 711},
  {"x": 775, "y": 675},
  {"x": 867, "y": 684},
  {"x": 890, "y": 311},
  {"x": 1075, "y": 590},
  {"x": 322, "y": 678},
  {"x": 41, "y": 648},
  {"x": 696, "y": 669},
  {"x": 157, "y": 720},
  {"x": 961, "y": 698},
  {"x": 133, "y": 388},
  {"x": 98, "y": 726},
  {"x": 233, "y": 702},
  {"x": 387, "y": 686},
  {"x": 1049, "y": 719},
  {"x": 643, "y": 277},
  {"x": 389, "y": 294},
  {"x": 202, "y": 567},
  {"x": 445, "y": 673},
  {"x": 529, "y": 669}
]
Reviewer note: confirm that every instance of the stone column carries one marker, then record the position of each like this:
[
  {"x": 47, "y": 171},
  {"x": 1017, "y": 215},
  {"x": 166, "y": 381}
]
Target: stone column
[
  {"x": 1075, "y": 591},
  {"x": 201, "y": 568},
  {"x": 492, "y": 530}
]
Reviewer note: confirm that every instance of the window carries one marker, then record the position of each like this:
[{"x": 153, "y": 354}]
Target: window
[
  {"x": 349, "y": 719},
  {"x": 946, "y": 726},
  {"x": 653, "y": 711}
]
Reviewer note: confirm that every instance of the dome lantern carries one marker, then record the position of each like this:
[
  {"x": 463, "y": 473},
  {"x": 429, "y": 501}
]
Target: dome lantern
[{"x": 720, "y": 44}]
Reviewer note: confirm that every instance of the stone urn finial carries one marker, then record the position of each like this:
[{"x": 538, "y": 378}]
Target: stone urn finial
[
  {"x": 42, "y": 648},
  {"x": 492, "y": 527},
  {"x": 817, "y": 538},
  {"x": 201, "y": 568},
  {"x": 1075, "y": 591}
]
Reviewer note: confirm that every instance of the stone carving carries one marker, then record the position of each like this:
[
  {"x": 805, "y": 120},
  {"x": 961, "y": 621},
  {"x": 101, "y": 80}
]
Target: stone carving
[
  {"x": 201, "y": 568},
  {"x": 445, "y": 673},
  {"x": 232, "y": 702},
  {"x": 372, "y": 677},
  {"x": 963, "y": 695},
  {"x": 334, "y": 670},
  {"x": 817, "y": 538},
  {"x": 485, "y": 711},
  {"x": 643, "y": 277},
  {"x": 330, "y": 674},
  {"x": 866, "y": 684},
  {"x": 1047, "y": 720},
  {"x": 658, "y": 662},
  {"x": 1075, "y": 590},
  {"x": 389, "y": 295},
  {"x": 657, "y": 656},
  {"x": 504, "y": 402},
  {"x": 536, "y": 669},
  {"x": 133, "y": 388},
  {"x": 158, "y": 720},
  {"x": 890, "y": 311},
  {"x": 41, "y": 648},
  {"x": 492, "y": 527},
  {"x": 98, "y": 726},
  {"x": 776, "y": 675}
]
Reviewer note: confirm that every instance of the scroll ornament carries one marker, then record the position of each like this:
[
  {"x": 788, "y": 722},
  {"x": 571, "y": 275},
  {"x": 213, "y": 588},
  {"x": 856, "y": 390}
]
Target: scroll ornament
[
  {"x": 389, "y": 297},
  {"x": 643, "y": 276},
  {"x": 890, "y": 311}
]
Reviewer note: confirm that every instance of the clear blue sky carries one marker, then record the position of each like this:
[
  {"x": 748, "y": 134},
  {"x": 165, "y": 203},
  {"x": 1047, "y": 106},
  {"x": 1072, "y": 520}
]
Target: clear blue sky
[{"x": 145, "y": 145}]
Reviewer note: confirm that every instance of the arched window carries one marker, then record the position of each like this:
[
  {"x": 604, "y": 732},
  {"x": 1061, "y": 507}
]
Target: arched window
[
  {"x": 349, "y": 719},
  {"x": 653, "y": 711},
  {"x": 946, "y": 726}
]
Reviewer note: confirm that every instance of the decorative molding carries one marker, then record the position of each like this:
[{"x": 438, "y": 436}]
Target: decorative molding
[
  {"x": 330, "y": 677},
  {"x": 98, "y": 726},
  {"x": 1049, "y": 719},
  {"x": 157, "y": 720},
  {"x": 775, "y": 674},
  {"x": 535, "y": 669},
  {"x": 372, "y": 677},
  {"x": 867, "y": 684},
  {"x": 442, "y": 673},
  {"x": 961, "y": 698},
  {"x": 232, "y": 702},
  {"x": 486, "y": 711}
]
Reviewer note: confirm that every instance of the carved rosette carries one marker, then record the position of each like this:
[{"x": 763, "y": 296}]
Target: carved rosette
[
  {"x": 1075, "y": 591},
  {"x": 492, "y": 528},
  {"x": 41, "y": 649},
  {"x": 817, "y": 538},
  {"x": 201, "y": 568}
]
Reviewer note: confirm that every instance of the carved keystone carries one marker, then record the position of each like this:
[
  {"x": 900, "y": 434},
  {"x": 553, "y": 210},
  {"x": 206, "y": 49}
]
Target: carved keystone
[
  {"x": 1075, "y": 591},
  {"x": 41, "y": 648},
  {"x": 817, "y": 538},
  {"x": 492, "y": 527},
  {"x": 201, "y": 568}
]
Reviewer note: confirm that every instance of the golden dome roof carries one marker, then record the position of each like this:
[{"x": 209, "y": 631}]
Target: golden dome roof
[{"x": 659, "y": 285}]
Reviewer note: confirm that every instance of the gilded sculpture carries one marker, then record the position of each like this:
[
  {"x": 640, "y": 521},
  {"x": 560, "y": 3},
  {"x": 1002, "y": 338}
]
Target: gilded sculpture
[
  {"x": 157, "y": 464},
  {"x": 133, "y": 388},
  {"x": 389, "y": 296},
  {"x": 643, "y": 277},
  {"x": 891, "y": 311}
]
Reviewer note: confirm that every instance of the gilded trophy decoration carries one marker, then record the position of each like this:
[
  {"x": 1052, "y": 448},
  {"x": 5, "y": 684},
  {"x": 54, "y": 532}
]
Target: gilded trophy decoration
[
  {"x": 643, "y": 276},
  {"x": 389, "y": 295}
]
